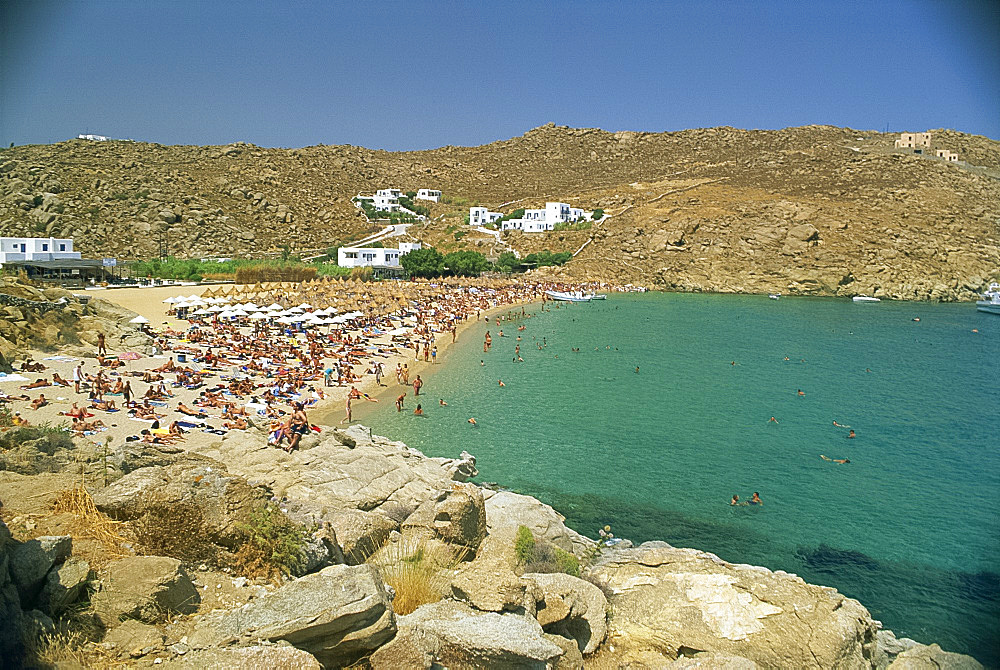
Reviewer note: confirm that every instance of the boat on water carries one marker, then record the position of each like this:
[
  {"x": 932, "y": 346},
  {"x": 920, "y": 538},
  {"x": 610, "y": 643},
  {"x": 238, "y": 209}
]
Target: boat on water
[
  {"x": 570, "y": 296},
  {"x": 599, "y": 296},
  {"x": 865, "y": 298},
  {"x": 991, "y": 300},
  {"x": 774, "y": 296}
]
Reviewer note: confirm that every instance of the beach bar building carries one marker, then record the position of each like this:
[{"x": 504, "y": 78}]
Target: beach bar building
[{"x": 384, "y": 261}]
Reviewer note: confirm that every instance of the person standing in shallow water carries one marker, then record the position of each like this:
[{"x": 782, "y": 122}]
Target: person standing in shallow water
[{"x": 417, "y": 384}]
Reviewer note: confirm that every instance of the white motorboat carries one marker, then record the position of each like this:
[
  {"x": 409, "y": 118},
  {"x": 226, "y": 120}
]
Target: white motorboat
[
  {"x": 865, "y": 298},
  {"x": 570, "y": 296},
  {"x": 599, "y": 296},
  {"x": 774, "y": 296},
  {"x": 991, "y": 300}
]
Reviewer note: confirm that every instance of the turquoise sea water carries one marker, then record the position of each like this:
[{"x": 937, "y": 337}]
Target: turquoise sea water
[{"x": 910, "y": 527}]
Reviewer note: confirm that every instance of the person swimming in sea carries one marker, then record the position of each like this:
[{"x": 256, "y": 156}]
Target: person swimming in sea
[
  {"x": 842, "y": 461},
  {"x": 419, "y": 411},
  {"x": 755, "y": 500},
  {"x": 851, "y": 435}
]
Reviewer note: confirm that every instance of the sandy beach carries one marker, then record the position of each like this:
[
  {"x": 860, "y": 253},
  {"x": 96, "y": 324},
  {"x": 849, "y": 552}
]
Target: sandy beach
[{"x": 119, "y": 426}]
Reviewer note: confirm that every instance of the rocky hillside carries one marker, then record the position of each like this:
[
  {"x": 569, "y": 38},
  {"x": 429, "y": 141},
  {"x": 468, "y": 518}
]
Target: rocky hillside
[{"x": 816, "y": 209}]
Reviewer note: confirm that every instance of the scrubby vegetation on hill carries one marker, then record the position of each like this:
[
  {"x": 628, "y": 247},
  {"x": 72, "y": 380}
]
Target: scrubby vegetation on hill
[{"x": 816, "y": 209}]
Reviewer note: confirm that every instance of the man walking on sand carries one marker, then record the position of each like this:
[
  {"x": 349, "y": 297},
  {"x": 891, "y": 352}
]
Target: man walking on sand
[{"x": 77, "y": 377}]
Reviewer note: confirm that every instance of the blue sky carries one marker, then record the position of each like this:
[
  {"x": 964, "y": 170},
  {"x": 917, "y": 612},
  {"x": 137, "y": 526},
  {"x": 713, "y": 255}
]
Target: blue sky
[{"x": 413, "y": 75}]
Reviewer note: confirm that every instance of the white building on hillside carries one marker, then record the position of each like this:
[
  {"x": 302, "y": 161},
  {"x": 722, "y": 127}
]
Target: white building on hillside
[
  {"x": 95, "y": 138},
  {"x": 541, "y": 220},
  {"x": 429, "y": 194},
  {"x": 36, "y": 249},
  {"x": 358, "y": 257},
  {"x": 480, "y": 216},
  {"x": 387, "y": 199}
]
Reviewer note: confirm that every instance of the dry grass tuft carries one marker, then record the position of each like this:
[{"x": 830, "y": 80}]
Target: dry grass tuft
[
  {"x": 77, "y": 501},
  {"x": 177, "y": 530},
  {"x": 418, "y": 569}
]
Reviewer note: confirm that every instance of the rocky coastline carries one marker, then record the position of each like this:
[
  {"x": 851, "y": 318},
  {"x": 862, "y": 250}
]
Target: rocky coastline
[{"x": 369, "y": 505}]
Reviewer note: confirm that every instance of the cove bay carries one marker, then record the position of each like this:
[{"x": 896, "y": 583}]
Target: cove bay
[{"x": 649, "y": 412}]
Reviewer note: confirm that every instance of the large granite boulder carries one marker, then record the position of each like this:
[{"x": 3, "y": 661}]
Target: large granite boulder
[
  {"x": 270, "y": 656},
  {"x": 489, "y": 584},
  {"x": 31, "y": 561},
  {"x": 505, "y": 511},
  {"x": 666, "y": 600},
  {"x": 223, "y": 500},
  {"x": 360, "y": 534},
  {"x": 133, "y": 636},
  {"x": 146, "y": 588},
  {"x": 338, "y": 615},
  {"x": 10, "y": 603},
  {"x": 461, "y": 469},
  {"x": 572, "y": 608},
  {"x": 370, "y": 473},
  {"x": 456, "y": 516},
  {"x": 451, "y": 634},
  {"x": 64, "y": 586},
  {"x": 932, "y": 657}
]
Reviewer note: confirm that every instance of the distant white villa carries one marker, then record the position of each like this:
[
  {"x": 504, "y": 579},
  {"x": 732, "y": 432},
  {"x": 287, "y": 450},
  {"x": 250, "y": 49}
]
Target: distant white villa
[
  {"x": 387, "y": 200},
  {"x": 358, "y": 257},
  {"x": 36, "y": 249},
  {"x": 533, "y": 220},
  {"x": 95, "y": 138},
  {"x": 480, "y": 216}
]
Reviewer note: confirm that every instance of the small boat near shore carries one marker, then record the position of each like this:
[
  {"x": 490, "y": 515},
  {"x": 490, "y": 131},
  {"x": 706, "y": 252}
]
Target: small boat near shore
[
  {"x": 865, "y": 298},
  {"x": 991, "y": 300},
  {"x": 571, "y": 296},
  {"x": 774, "y": 296}
]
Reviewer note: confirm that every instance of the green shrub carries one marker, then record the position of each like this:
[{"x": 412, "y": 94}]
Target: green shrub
[
  {"x": 542, "y": 556},
  {"x": 272, "y": 545},
  {"x": 598, "y": 214},
  {"x": 524, "y": 545},
  {"x": 566, "y": 562}
]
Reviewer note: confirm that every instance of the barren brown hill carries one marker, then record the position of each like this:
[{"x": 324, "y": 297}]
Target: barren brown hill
[{"x": 816, "y": 209}]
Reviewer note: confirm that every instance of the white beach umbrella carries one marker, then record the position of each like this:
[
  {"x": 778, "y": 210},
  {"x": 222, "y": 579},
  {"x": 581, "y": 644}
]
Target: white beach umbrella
[
  {"x": 285, "y": 320},
  {"x": 259, "y": 316},
  {"x": 225, "y": 314},
  {"x": 297, "y": 309},
  {"x": 192, "y": 298},
  {"x": 305, "y": 305},
  {"x": 252, "y": 307},
  {"x": 170, "y": 301},
  {"x": 139, "y": 319},
  {"x": 202, "y": 312},
  {"x": 296, "y": 318},
  {"x": 275, "y": 306}
]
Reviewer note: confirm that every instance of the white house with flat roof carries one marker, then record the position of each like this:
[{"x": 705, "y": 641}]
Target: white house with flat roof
[
  {"x": 387, "y": 199},
  {"x": 541, "y": 220},
  {"x": 429, "y": 194},
  {"x": 480, "y": 216},
  {"x": 36, "y": 249},
  {"x": 359, "y": 257}
]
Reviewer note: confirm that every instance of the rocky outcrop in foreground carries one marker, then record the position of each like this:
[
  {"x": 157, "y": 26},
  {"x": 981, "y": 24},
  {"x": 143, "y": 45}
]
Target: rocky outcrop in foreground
[
  {"x": 47, "y": 318},
  {"x": 367, "y": 499}
]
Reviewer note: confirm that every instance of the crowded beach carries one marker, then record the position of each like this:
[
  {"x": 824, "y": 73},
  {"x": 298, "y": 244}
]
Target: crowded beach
[{"x": 271, "y": 356}]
